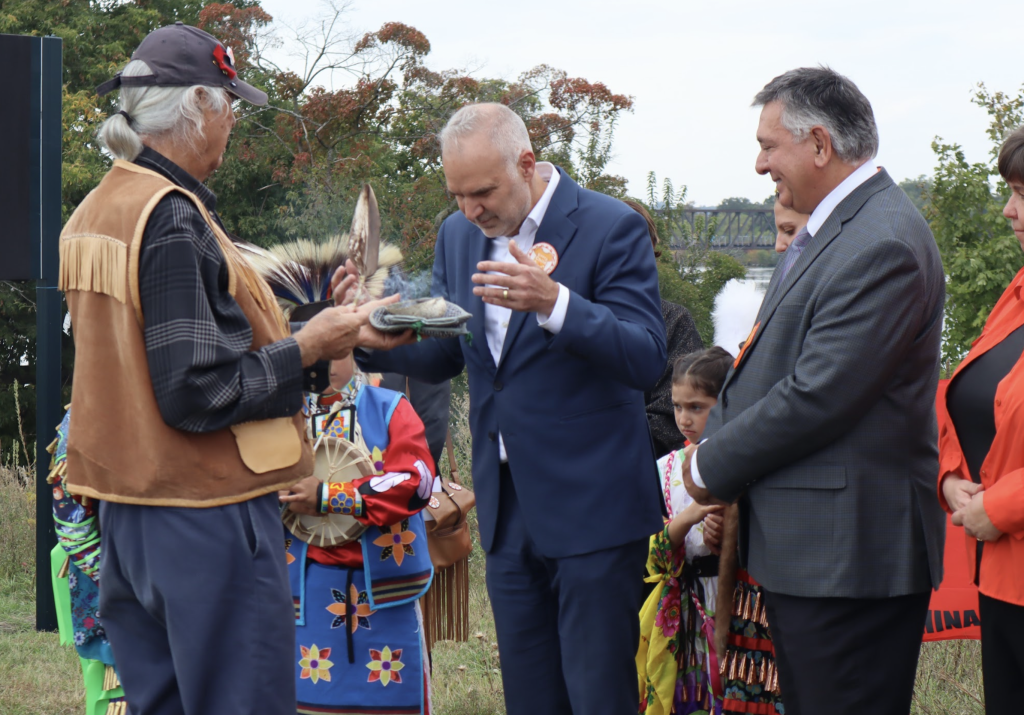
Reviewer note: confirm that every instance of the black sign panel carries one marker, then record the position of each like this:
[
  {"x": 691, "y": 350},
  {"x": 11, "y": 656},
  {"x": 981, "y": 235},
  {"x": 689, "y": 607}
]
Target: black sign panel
[{"x": 20, "y": 229}]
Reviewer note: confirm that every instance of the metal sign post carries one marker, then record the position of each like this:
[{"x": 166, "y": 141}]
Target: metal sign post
[
  {"x": 34, "y": 113},
  {"x": 30, "y": 202},
  {"x": 49, "y": 410}
]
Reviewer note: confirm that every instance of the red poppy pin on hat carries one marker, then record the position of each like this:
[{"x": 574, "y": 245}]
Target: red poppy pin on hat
[{"x": 545, "y": 256}]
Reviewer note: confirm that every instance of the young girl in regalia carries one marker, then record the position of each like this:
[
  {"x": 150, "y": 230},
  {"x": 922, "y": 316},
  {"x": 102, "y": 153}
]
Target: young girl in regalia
[
  {"x": 75, "y": 574},
  {"x": 679, "y": 669},
  {"x": 356, "y": 544}
]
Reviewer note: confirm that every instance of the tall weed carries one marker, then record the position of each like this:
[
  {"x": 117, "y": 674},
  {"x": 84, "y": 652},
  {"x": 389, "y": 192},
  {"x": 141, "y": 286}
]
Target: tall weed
[{"x": 17, "y": 530}]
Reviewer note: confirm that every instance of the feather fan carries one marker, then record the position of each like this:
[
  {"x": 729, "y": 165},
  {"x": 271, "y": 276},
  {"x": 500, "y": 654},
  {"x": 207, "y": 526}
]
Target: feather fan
[{"x": 300, "y": 272}]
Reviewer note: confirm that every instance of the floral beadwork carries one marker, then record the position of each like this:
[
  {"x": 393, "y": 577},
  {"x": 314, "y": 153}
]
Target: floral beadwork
[
  {"x": 384, "y": 666},
  {"x": 377, "y": 457},
  {"x": 360, "y": 610},
  {"x": 340, "y": 426},
  {"x": 314, "y": 663},
  {"x": 396, "y": 540},
  {"x": 341, "y": 498}
]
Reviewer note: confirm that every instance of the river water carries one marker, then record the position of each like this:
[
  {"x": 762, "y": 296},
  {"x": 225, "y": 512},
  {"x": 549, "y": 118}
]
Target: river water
[{"x": 736, "y": 307}]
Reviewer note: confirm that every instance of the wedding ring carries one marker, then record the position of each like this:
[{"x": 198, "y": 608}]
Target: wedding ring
[{"x": 504, "y": 294}]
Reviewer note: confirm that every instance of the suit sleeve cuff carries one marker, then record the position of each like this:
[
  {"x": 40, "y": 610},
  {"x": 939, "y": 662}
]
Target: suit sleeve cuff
[
  {"x": 317, "y": 377},
  {"x": 553, "y": 323},
  {"x": 695, "y": 472}
]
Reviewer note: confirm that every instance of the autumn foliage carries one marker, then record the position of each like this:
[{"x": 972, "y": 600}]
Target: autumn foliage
[
  {"x": 370, "y": 110},
  {"x": 343, "y": 111}
]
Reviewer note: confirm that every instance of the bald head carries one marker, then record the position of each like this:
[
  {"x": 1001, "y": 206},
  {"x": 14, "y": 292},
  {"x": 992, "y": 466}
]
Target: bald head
[
  {"x": 491, "y": 123},
  {"x": 490, "y": 168}
]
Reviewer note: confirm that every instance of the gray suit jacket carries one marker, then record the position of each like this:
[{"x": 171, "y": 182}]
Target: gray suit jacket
[{"x": 826, "y": 430}]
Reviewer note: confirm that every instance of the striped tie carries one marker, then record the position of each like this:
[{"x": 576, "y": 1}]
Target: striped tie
[{"x": 793, "y": 252}]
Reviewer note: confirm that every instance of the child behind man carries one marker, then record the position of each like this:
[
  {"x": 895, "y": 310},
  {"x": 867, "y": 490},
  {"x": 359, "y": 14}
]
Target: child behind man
[{"x": 677, "y": 666}]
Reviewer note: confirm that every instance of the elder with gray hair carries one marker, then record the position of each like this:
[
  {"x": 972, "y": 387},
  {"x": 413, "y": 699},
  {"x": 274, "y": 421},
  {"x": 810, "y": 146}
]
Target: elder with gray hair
[
  {"x": 188, "y": 395},
  {"x": 563, "y": 288},
  {"x": 825, "y": 429}
]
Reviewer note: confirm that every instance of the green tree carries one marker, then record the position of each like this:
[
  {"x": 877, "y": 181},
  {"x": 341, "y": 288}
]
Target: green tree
[
  {"x": 98, "y": 38},
  {"x": 979, "y": 250},
  {"x": 690, "y": 272},
  {"x": 738, "y": 203},
  {"x": 293, "y": 168},
  {"x": 734, "y": 203},
  {"x": 17, "y": 311},
  {"x": 918, "y": 190}
]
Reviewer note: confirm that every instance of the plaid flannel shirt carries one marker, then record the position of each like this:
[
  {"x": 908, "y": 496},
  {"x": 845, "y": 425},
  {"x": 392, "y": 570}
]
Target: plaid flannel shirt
[{"x": 197, "y": 338}]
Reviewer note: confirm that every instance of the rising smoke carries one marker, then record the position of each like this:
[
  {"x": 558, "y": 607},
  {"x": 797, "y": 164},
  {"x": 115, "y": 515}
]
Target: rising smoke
[{"x": 410, "y": 287}]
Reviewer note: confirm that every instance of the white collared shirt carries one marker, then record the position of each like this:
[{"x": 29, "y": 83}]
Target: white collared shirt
[
  {"x": 835, "y": 197},
  {"x": 818, "y": 217},
  {"x": 496, "y": 317}
]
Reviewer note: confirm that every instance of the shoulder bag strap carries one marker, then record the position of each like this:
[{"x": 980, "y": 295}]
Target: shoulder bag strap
[{"x": 452, "y": 466}]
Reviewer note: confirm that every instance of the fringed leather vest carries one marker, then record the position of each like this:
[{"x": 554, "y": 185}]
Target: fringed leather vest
[{"x": 120, "y": 449}]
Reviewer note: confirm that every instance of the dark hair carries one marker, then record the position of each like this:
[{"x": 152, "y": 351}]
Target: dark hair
[
  {"x": 705, "y": 370},
  {"x": 651, "y": 228},
  {"x": 813, "y": 96},
  {"x": 1011, "y": 157}
]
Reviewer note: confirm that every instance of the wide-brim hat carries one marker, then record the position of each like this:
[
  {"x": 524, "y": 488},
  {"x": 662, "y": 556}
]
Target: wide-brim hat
[{"x": 180, "y": 55}]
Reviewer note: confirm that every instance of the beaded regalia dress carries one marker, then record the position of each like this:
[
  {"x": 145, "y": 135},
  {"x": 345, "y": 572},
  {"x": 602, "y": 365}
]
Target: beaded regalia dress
[
  {"x": 679, "y": 671},
  {"x": 359, "y": 637}
]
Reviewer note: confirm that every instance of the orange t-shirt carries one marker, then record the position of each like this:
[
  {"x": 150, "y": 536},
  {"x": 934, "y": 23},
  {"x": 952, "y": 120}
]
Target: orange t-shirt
[{"x": 1002, "y": 472}]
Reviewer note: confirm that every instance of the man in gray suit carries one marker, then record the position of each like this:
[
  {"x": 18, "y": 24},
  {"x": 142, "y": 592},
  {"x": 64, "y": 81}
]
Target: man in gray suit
[{"x": 825, "y": 429}]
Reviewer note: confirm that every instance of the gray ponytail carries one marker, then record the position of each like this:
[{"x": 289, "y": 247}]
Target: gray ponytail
[{"x": 173, "y": 112}]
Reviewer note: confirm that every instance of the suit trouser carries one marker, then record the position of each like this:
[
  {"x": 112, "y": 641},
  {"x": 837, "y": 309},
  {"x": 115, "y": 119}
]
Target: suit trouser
[
  {"x": 568, "y": 628},
  {"x": 847, "y": 656},
  {"x": 198, "y": 610},
  {"x": 1002, "y": 655}
]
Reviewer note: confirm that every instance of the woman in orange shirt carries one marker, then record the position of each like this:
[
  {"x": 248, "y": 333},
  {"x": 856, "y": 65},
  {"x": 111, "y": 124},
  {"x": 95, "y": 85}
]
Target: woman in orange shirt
[{"x": 981, "y": 465}]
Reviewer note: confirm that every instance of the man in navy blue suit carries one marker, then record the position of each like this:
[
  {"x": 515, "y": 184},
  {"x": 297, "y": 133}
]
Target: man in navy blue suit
[{"x": 568, "y": 333}]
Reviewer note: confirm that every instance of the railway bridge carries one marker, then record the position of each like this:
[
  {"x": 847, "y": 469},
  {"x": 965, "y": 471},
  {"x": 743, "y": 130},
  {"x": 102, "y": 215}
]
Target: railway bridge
[{"x": 726, "y": 229}]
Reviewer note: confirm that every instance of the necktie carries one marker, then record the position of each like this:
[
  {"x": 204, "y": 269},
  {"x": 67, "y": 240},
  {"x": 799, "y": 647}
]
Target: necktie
[{"x": 793, "y": 252}]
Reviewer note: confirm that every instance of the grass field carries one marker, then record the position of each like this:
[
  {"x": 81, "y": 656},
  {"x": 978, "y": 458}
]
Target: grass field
[{"x": 40, "y": 677}]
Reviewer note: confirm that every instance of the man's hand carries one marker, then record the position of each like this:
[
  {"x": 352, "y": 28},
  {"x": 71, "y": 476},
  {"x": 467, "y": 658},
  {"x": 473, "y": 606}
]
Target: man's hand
[
  {"x": 332, "y": 333},
  {"x": 329, "y": 335},
  {"x": 343, "y": 284},
  {"x": 699, "y": 494},
  {"x": 975, "y": 521},
  {"x": 301, "y": 498},
  {"x": 373, "y": 339},
  {"x": 521, "y": 285},
  {"x": 958, "y": 491}
]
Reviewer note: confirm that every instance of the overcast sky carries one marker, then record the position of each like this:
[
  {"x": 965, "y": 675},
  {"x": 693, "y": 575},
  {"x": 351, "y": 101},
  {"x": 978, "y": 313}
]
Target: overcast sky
[{"x": 693, "y": 68}]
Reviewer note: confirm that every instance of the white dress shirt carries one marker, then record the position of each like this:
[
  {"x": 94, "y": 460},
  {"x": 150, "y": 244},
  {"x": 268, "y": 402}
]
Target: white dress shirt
[
  {"x": 818, "y": 217},
  {"x": 835, "y": 197},
  {"x": 496, "y": 317}
]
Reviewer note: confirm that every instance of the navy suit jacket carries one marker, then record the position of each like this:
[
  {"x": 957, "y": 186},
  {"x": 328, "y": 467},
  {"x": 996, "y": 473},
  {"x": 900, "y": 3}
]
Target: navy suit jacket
[{"x": 570, "y": 407}]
